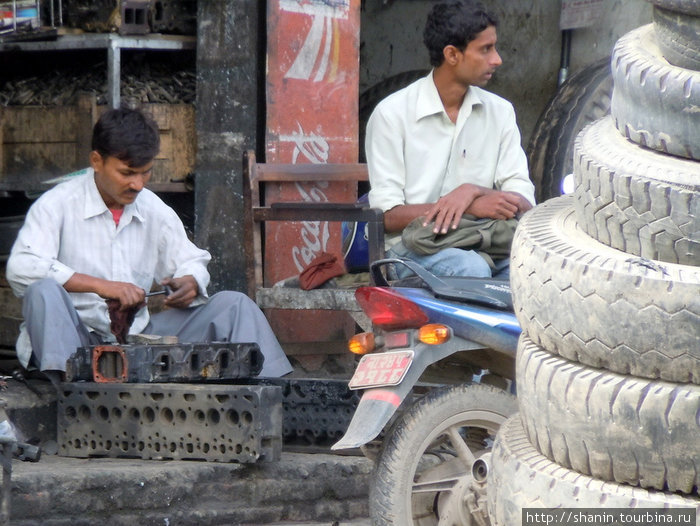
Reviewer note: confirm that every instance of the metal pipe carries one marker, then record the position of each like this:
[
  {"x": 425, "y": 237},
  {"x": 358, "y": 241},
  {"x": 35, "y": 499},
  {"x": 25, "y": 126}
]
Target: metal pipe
[
  {"x": 113, "y": 73},
  {"x": 565, "y": 56}
]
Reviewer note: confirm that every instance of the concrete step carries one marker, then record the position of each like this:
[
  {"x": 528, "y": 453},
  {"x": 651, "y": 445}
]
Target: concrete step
[
  {"x": 358, "y": 522},
  {"x": 299, "y": 489},
  {"x": 58, "y": 491}
]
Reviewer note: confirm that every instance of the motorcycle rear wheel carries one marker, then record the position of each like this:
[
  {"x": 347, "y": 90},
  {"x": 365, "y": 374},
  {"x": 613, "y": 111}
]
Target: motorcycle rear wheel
[{"x": 423, "y": 470}]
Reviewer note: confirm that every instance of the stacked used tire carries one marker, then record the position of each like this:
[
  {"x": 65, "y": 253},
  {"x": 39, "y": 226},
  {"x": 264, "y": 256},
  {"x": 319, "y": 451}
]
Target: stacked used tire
[{"x": 606, "y": 287}]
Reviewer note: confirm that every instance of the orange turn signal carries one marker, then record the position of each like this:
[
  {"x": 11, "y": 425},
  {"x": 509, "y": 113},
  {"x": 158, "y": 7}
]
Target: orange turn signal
[
  {"x": 362, "y": 343},
  {"x": 434, "y": 334}
]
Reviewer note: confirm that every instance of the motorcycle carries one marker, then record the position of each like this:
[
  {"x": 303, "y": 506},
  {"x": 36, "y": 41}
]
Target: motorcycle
[{"x": 436, "y": 375}]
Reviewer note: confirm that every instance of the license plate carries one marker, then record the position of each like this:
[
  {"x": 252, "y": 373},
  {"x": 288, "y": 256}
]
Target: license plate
[{"x": 379, "y": 370}]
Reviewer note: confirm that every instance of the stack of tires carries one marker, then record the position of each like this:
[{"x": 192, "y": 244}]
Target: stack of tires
[{"x": 606, "y": 286}]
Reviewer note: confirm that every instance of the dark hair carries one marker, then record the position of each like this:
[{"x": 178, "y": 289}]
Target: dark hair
[
  {"x": 456, "y": 23},
  {"x": 128, "y": 135}
]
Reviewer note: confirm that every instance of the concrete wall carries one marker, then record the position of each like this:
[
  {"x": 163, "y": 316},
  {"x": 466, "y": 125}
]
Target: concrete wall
[{"x": 529, "y": 43}]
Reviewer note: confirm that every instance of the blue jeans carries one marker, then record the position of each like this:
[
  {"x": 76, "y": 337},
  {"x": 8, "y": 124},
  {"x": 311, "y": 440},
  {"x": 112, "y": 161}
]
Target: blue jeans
[{"x": 450, "y": 262}]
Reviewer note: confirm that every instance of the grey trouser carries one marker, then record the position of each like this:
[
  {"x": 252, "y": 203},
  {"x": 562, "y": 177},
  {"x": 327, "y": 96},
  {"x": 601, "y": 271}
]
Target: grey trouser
[{"x": 55, "y": 329}]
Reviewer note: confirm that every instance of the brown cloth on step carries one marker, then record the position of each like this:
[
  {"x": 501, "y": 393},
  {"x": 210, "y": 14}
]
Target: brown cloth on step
[
  {"x": 323, "y": 267},
  {"x": 120, "y": 320}
]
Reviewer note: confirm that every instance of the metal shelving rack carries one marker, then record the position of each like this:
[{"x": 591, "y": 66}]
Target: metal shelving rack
[{"x": 113, "y": 43}]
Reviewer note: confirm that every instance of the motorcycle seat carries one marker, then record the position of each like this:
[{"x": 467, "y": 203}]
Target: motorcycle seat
[{"x": 489, "y": 292}]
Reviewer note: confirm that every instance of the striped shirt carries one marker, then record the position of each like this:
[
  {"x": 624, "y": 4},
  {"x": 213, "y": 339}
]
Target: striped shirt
[{"x": 69, "y": 229}]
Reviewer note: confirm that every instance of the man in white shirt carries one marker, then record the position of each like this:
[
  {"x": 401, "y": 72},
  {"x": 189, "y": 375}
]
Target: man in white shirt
[
  {"x": 102, "y": 235},
  {"x": 443, "y": 147}
]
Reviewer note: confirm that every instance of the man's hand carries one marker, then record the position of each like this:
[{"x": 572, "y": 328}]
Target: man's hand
[
  {"x": 496, "y": 205},
  {"x": 128, "y": 294},
  {"x": 523, "y": 204},
  {"x": 448, "y": 210},
  {"x": 185, "y": 290}
]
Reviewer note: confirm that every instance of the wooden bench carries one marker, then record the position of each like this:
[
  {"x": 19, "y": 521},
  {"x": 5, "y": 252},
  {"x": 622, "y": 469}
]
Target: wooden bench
[{"x": 257, "y": 212}]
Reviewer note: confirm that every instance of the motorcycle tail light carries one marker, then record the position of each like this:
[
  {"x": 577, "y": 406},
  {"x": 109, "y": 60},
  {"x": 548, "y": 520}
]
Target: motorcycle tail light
[
  {"x": 434, "y": 334},
  {"x": 388, "y": 309},
  {"x": 362, "y": 343}
]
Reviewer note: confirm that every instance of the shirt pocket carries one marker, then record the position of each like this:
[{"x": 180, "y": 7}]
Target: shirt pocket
[
  {"x": 134, "y": 258},
  {"x": 142, "y": 279}
]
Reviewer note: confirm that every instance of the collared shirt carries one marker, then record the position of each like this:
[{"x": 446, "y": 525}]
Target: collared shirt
[
  {"x": 69, "y": 229},
  {"x": 416, "y": 154}
]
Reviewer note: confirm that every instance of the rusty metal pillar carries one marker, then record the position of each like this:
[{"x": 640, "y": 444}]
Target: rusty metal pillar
[{"x": 229, "y": 65}]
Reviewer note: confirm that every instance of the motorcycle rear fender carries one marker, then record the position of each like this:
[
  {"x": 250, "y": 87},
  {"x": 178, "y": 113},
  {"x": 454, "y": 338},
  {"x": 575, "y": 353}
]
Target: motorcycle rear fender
[{"x": 378, "y": 404}]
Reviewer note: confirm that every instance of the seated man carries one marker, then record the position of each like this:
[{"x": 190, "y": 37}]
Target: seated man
[
  {"x": 102, "y": 235},
  {"x": 443, "y": 147}
]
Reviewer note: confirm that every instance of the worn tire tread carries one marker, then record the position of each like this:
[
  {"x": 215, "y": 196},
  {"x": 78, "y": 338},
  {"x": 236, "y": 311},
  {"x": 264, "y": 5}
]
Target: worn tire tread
[
  {"x": 678, "y": 37},
  {"x": 654, "y": 104},
  {"x": 636, "y": 200},
  {"x": 688, "y": 7},
  {"x": 521, "y": 477},
  {"x": 599, "y": 306},
  {"x": 609, "y": 426}
]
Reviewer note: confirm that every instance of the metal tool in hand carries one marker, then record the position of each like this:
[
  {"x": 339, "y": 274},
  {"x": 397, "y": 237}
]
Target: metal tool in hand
[{"x": 167, "y": 291}]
